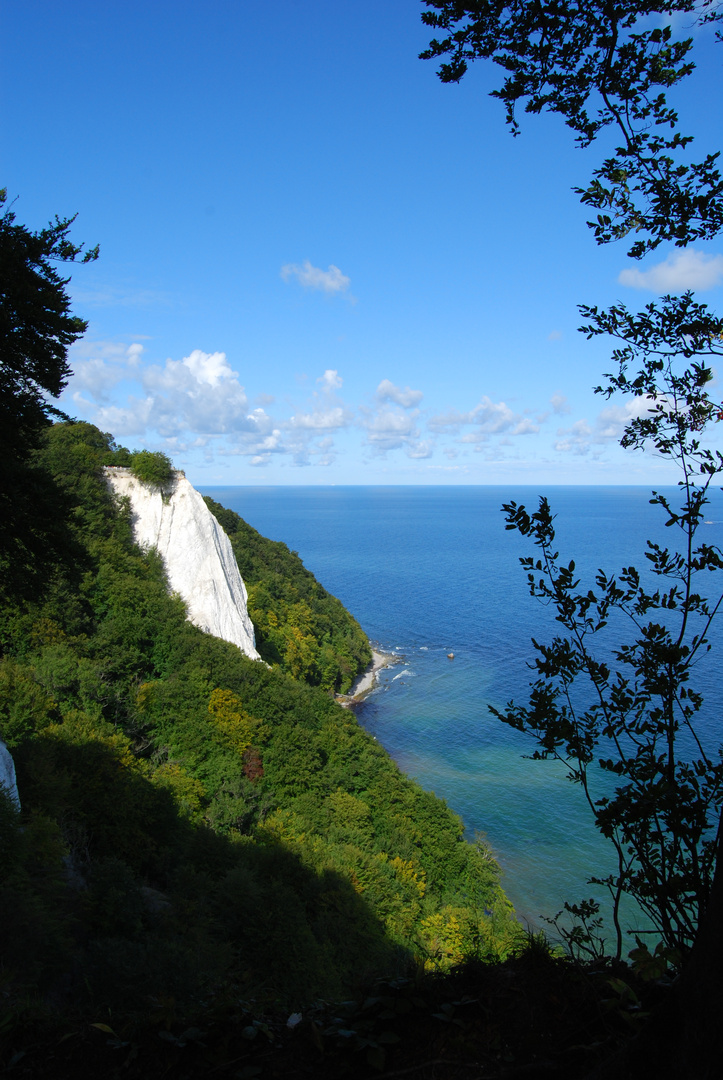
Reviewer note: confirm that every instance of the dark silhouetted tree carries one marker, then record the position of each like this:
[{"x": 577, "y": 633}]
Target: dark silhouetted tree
[
  {"x": 36, "y": 330},
  {"x": 603, "y": 66}
]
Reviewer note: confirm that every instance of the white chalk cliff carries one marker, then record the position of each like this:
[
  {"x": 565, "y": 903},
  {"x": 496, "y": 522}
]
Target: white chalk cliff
[
  {"x": 196, "y": 553},
  {"x": 7, "y": 775}
]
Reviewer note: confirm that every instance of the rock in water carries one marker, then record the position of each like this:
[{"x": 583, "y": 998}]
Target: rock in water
[
  {"x": 7, "y": 775},
  {"x": 196, "y": 553}
]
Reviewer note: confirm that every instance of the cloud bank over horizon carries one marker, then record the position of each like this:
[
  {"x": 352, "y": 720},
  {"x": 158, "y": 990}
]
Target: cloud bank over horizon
[{"x": 199, "y": 406}]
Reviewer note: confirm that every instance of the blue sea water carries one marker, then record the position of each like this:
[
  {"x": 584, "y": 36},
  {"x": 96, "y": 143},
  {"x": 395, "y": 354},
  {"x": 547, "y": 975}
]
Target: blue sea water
[{"x": 432, "y": 570}]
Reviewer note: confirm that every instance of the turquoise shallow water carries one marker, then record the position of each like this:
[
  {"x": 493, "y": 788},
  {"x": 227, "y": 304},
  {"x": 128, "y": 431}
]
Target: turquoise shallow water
[{"x": 428, "y": 571}]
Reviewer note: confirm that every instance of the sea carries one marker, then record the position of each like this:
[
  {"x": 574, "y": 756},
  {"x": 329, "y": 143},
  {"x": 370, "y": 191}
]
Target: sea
[{"x": 431, "y": 572}]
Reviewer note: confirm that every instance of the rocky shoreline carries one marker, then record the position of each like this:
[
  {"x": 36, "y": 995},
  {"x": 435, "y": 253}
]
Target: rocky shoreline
[{"x": 365, "y": 682}]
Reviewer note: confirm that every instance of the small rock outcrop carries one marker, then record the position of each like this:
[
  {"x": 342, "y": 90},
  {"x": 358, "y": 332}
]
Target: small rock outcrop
[
  {"x": 196, "y": 553},
  {"x": 7, "y": 775}
]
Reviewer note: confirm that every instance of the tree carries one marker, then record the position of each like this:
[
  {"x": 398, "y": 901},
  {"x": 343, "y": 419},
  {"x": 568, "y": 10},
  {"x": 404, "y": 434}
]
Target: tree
[
  {"x": 36, "y": 330},
  {"x": 572, "y": 57},
  {"x": 637, "y": 711},
  {"x": 609, "y": 65},
  {"x": 36, "y": 325},
  {"x": 153, "y": 468}
]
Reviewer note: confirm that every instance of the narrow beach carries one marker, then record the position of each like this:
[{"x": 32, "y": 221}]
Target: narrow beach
[{"x": 365, "y": 683}]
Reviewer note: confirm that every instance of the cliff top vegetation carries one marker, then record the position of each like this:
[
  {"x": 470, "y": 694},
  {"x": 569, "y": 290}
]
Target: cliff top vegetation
[{"x": 153, "y": 468}]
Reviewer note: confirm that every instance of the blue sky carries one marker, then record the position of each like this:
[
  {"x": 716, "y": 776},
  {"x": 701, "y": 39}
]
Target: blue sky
[{"x": 318, "y": 264}]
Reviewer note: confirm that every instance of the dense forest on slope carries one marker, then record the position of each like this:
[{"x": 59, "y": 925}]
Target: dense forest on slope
[
  {"x": 195, "y": 823},
  {"x": 298, "y": 624}
]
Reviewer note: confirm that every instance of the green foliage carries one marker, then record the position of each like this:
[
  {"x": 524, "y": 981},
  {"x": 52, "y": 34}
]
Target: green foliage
[
  {"x": 36, "y": 327},
  {"x": 193, "y": 821},
  {"x": 153, "y": 468},
  {"x": 298, "y": 624},
  {"x": 36, "y": 330},
  {"x": 25, "y": 708}
]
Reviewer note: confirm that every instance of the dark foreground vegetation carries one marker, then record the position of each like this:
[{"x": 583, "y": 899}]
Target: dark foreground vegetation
[{"x": 529, "y": 1016}]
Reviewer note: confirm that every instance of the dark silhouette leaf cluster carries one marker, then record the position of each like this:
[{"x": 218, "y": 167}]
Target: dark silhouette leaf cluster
[{"x": 599, "y": 65}]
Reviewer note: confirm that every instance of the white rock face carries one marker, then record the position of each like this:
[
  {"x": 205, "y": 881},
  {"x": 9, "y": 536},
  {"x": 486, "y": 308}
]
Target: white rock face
[
  {"x": 7, "y": 774},
  {"x": 196, "y": 553}
]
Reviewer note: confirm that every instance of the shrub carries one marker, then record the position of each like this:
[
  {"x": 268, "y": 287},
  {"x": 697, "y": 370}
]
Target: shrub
[{"x": 152, "y": 468}]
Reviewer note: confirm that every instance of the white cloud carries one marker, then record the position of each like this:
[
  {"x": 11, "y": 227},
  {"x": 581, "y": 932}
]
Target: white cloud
[
  {"x": 576, "y": 439},
  {"x": 451, "y": 420},
  {"x": 680, "y": 271},
  {"x": 209, "y": 368},
  {"x": 97, "y": 377},
  {"x": 419, "y": 450},
  {"x": 199, "y": 403},
  {"x": 133, "y": 419},
  {"x": 309, "y": 438},
  {"x": 257, "y": 443},
  {"x": 407, "y": 398},
  {"x": 199, "y": 394},
  {"x": 327, "y": 411},
  {"x": 390, "y": 425},
  {"x": 390, "y": 428},
  {"x": 313, "y": 277},
  {"x": 582, "y": 437},
  {"x": 491, "y": 418},
  {"x": 559, "y": 403},
  {"x": 525, "y": 426},
  {"x": 99, "y": 366},
  {"x": 323, "y": 452},
  {"x": 330, "y": 380},
  {"x": 321, "y": 420}
]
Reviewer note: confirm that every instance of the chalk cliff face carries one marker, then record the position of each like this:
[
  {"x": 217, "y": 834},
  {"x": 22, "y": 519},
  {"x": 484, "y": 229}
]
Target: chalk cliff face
[
  {"x": 7, "y": 774},
  {"x": 196, "y": 553}
]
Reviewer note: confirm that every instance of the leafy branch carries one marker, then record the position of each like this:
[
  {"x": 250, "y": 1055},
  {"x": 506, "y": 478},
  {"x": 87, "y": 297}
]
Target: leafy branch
[
  {"x": 598, "y": 65},
  {"x": 633, "y": 714}
]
